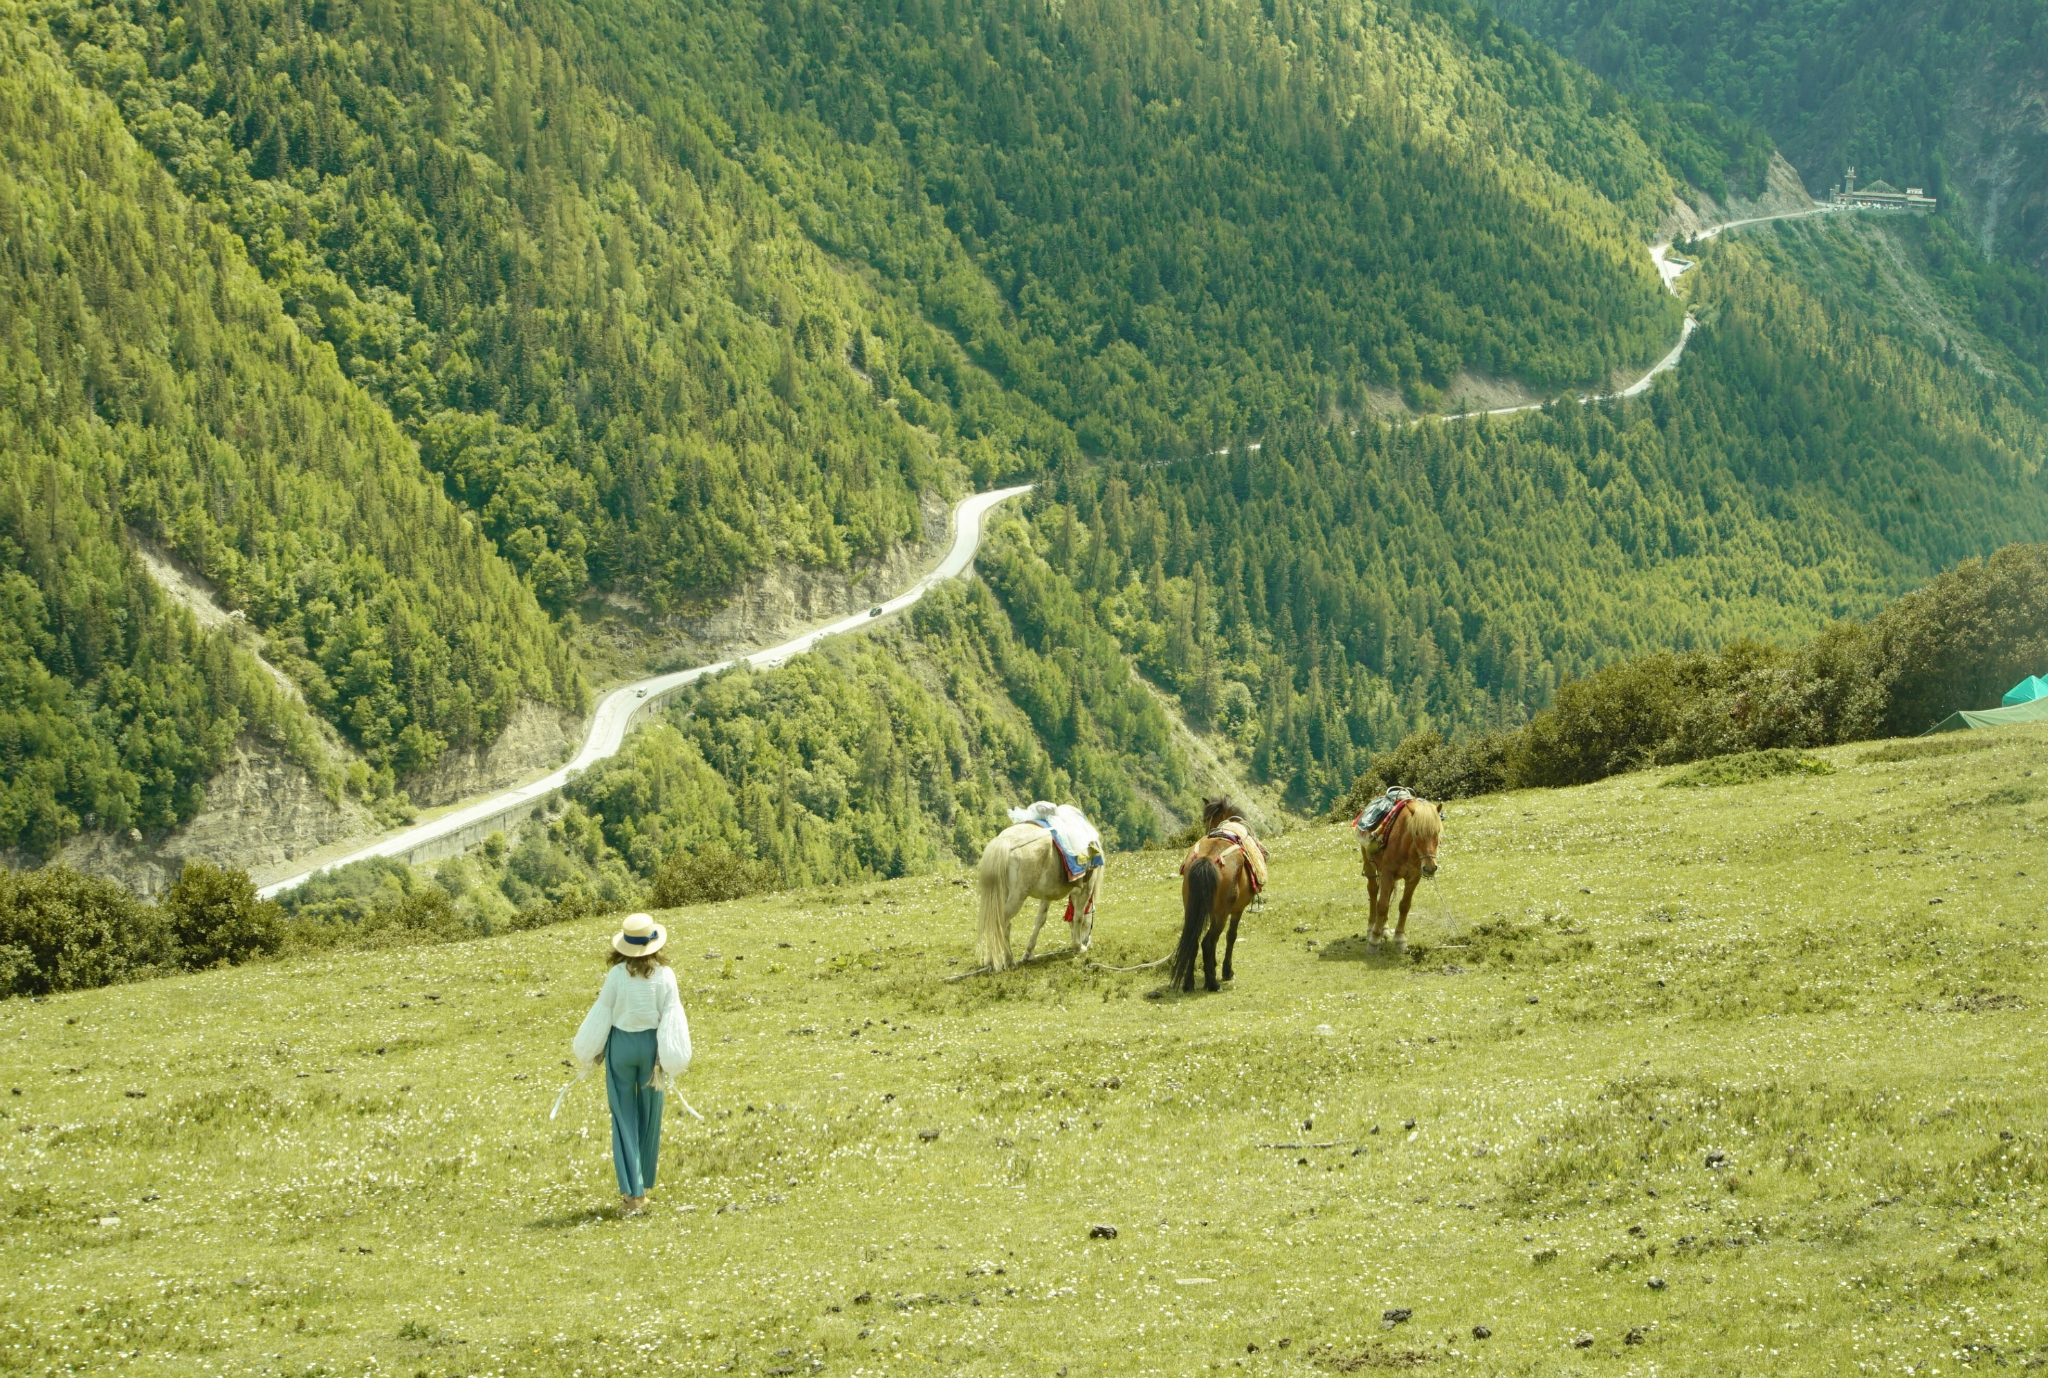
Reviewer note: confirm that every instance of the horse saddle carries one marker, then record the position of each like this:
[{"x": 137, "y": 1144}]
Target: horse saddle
[{"x": 1236, "y": 833}]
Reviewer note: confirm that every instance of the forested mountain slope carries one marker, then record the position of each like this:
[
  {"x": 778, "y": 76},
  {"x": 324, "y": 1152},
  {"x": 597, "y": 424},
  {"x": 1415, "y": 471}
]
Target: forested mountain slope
[
  {"x": 1952, "y": 96},
  {"x": 1172, "y": 225},
  {"x": 152, "y": 384},
  {"x": 583, "y": 261},
  {"x": 632, "y": 369},
  {"x": 1813, "y": 455}
]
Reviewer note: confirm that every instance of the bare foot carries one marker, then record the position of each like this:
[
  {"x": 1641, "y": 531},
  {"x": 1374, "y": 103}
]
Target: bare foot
[{"x": 632, "y": 1205}]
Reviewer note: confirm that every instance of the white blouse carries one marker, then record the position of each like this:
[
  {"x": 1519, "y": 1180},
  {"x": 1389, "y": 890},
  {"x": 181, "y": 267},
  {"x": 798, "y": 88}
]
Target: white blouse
[{"x": 633, "y": 1003}]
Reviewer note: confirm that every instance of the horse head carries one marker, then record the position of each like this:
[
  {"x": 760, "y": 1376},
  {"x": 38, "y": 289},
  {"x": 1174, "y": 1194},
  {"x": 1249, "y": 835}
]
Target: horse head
[
  {"x": 1218, "y": 810},
  {"x": 1426, "y": 833}
]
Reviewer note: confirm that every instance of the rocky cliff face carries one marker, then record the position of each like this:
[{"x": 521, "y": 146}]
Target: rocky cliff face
[
  {"x": 773, "y": 607},
  {"x": 1996, "y": 151},
  {"x": 1783, "y": 194},
  {"x": 536, "y": 740},
  {"x": 262, "y": 814}
]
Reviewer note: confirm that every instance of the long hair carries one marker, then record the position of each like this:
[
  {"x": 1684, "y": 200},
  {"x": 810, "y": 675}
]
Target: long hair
[
  {"x": 1083, "y": 899},
  {"x": 1203, "y": 877},
  {"x": 642, "y": 967},
  {"x": 992, "y": 939}
]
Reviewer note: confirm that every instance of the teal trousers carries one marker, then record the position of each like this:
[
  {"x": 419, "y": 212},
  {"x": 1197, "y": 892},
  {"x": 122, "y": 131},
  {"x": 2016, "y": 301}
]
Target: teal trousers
[{"x": 636, "y": 1108}]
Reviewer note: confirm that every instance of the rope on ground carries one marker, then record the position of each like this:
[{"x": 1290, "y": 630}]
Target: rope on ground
[
  {"x": 1142, "y": 966},
  {"x": 1443, "y": 913}
]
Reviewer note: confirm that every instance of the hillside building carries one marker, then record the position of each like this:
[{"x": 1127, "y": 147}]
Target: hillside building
[{"x": 1880, "y": 195}]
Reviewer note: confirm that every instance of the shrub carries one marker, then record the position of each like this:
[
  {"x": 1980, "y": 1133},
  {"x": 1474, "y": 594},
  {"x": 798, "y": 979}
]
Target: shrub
[
  {"x": 217, "y": 918},
  {"x": 1959, "y": 642},
  {"x": 1964, "y": 639},
  {"x": 351, "y": 893},
  {"x": 1747, "y": 767},
  {"x": 1434, "y": 769},
  {"x": 1613, "y": 720},
  {"x": 422, "y": 914},
  {"x": 711, "y": 873},
  {"x": 62, "y": 931}
]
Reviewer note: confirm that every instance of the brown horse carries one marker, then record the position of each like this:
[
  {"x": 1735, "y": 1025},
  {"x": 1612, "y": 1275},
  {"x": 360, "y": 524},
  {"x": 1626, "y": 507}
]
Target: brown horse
[
  {"x": 1219, "y": 876},
  {"x": 1408, "y": 854}
]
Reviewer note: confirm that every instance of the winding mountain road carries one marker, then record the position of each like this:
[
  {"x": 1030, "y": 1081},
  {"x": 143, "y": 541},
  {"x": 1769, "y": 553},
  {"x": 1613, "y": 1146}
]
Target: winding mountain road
[
  {"x": 617, "y": 710},
  {"x": 1670, "y": 270}
]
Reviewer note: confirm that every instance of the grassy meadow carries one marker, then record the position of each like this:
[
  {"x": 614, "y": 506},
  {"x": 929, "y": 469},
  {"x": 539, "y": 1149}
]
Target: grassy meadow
[{"x": 1687, "y": 1080}]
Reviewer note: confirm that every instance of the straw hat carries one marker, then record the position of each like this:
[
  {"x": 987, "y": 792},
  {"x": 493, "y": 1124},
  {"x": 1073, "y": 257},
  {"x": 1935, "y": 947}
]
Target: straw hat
[{"x": 639, "y": 936}]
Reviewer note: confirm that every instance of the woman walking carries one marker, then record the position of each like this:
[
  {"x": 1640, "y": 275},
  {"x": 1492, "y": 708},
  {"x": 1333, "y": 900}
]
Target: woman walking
[{"x": 638, "y": 1030}]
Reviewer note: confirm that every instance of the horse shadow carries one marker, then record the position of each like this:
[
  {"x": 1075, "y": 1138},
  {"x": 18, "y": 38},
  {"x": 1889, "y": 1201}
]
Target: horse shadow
[{"x": 1356, "y": 949}]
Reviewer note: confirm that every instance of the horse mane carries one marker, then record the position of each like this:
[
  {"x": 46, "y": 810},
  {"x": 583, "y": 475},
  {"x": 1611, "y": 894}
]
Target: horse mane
[{"x": 1422, "y": 825}]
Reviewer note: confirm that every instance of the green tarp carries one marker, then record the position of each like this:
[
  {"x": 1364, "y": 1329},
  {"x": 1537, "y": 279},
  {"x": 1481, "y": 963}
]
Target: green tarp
[
  {"x": 2026, "y": 691},
  {"x": 2037, "y": 711}
]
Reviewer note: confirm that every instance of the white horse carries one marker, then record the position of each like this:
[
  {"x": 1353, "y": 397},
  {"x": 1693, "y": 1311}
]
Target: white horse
[{"x": 1022, "y": 862}]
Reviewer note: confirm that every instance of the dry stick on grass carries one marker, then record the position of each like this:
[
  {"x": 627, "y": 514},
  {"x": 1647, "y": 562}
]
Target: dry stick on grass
[{"x": 1333, "y": 1143}]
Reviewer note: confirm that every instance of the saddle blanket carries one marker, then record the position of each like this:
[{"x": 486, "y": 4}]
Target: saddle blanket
[
  {"x": 1236, "y": 830},
  {"x": 1381, "y": 812},
  {"x": 1080, "y": 846}
]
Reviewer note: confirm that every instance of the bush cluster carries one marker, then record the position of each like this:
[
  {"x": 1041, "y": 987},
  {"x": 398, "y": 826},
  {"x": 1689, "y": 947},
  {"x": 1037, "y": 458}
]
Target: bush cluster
[
  {"x": 1957, "y": 643},
  {"x": 62, "y": 931},
  {"x": 711, "y": 873}
]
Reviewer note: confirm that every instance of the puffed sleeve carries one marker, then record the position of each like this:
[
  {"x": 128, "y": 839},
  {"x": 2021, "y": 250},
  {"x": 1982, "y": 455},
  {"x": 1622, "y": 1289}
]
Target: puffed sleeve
[
  {"x": 672, "y": 1035},
  {"x": 588, "y": 1048}
]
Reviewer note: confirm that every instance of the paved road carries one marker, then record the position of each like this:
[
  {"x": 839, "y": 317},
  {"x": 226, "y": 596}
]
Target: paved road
[
  {"x": 1670, "y": 270},
  {"x": 616, "y": 710}
]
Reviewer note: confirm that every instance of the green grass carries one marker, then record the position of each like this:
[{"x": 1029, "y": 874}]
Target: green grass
[
  {"x": 349, "y": 1158},
  {"x": 1920, "y": 748}
]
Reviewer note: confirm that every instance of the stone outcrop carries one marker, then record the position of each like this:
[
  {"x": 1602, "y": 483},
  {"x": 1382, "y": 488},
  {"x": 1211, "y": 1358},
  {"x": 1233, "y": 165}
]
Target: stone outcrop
[{"x": 262, "y": 812}]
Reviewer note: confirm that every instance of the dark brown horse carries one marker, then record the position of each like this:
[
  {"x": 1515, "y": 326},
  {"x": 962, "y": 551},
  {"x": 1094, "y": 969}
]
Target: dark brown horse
[{"x": 1219, "y": 876}]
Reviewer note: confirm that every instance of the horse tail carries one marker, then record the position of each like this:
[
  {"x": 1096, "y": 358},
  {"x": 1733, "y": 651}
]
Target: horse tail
[
  {"x": 1203, "y": 878},
  {"x": 992, "y": 942},
  {"x": 1084, "y": 906}
]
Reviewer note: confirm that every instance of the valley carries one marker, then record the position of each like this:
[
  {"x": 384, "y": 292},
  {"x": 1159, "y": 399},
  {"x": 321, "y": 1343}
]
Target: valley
[
  {"x": 457, "y": 830},
  {"x": 642, "y": 314}
]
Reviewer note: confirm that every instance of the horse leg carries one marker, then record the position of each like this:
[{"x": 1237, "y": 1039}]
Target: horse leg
[
  {"x": 1209, "y": 981},
  {"x": 1230, "y": 946},
  {"x": 1376, "y": 912},
  {"x": 1407, "y": 898},
  {"x": 1044, "y": 908}
]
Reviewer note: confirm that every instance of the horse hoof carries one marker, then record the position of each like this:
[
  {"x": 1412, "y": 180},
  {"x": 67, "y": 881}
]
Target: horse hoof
[{"x": 1400, "y": 944}]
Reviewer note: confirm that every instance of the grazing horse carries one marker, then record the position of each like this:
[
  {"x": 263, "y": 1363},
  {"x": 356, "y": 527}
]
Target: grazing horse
[
  {"x": 1219, "y": 877},
  {"x": 1023, "y": 862},
  {"x": 1408, "y": 854}
]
